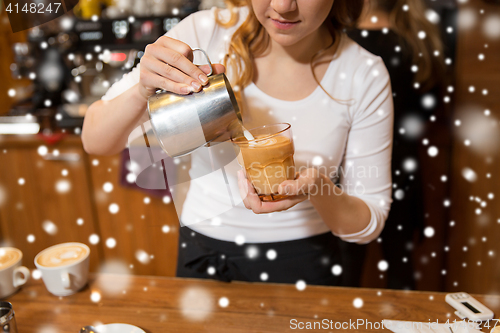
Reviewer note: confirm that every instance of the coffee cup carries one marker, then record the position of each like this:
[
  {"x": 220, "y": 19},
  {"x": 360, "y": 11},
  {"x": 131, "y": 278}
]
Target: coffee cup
[
  {"x": 12, "y": 274},
  {"x": 64, "y": 267}
]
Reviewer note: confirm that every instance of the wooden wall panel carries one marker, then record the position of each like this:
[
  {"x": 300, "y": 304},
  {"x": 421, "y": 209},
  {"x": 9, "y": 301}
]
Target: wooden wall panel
[
  {"x": 138, "y": 224},
  {"x": 473, "y": 261}
]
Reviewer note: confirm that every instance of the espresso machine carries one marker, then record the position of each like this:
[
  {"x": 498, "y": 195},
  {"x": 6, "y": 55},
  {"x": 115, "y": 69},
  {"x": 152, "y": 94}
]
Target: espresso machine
[
  {"x": 103, "y": 52},
  {"x": 73, "y": 61}
]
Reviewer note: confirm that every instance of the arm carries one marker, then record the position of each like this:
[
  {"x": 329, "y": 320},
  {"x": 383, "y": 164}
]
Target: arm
[
  {"x": 356, "y": 210},
  {"x": 343, "y": 213},
  {"x": 107, "y": 124}
]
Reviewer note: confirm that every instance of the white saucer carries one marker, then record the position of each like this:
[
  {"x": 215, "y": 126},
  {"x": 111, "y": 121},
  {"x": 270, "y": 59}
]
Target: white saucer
[{"x": 119, "y": 328}]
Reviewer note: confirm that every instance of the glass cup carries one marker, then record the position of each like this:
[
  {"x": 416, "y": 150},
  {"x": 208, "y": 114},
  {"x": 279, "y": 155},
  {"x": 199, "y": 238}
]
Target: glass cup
[
  {"x": 7, "y": 319},
  {"x": 267, "y": 159}
]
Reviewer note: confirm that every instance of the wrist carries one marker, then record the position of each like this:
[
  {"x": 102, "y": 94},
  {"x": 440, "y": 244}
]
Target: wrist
[
  {"x": 142, "y": 94},
  {"x": 139, "y": 98},
  {"x": 322, "y": 186},
  {"x": 326, "y": 192}
]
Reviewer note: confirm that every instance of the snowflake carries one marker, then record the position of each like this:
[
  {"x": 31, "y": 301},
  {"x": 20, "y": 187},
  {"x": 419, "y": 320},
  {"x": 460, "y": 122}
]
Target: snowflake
[
  {"x": 142, "y": 256},
  {"x": 336, "y": 270},
  {"x": 383, "y": 265},
  {"x": 110, "y": 242},
  {"x": 300, "y": 285},
  {"x": 113, "y": 208},
  {"x": 49, "y": 227},
  {"x": 429, "y": 232},
  {"x": 432, "y": 151},
  {"x": 63, "y": 186},
  {"x": 271, "y": 254},
  {"x": 358, "y": 303},
  {"x": 94, "y": 239},
  {"x": 223, "y": 302},
  {"x": 469, "y": 174},
  {"x": 95, "y": 296},
  {"x": 239, "y": 240},
  {"x": 107, "y": 187}
]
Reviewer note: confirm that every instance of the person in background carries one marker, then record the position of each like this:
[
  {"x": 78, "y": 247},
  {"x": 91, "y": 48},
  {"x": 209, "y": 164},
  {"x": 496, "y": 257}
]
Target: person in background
[{"x": 410, "y": 46}]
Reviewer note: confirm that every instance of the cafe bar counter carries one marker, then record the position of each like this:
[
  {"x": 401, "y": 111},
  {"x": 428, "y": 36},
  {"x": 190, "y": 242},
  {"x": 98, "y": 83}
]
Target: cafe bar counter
[{"x": 161, "y": 304}]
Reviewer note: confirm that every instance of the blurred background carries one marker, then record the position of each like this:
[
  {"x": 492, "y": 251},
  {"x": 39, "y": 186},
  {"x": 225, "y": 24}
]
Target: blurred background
[{"x": 52, "y": 191}]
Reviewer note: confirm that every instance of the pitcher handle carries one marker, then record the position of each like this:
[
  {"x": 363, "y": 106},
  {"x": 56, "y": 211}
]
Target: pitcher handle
[{"x": 208, "y": 60}]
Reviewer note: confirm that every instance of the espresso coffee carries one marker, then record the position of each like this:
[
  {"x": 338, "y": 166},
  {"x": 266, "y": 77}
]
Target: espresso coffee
[
  {"x": 268, "y": 161},
  {"x": 8, "y": 257},
  {"x": 62, "y": 255}
]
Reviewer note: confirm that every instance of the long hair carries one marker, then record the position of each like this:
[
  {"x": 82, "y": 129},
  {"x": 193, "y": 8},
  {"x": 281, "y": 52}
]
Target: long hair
[
  {"x": 408, "y": 20},
  {"x": 251, "y": 39}
]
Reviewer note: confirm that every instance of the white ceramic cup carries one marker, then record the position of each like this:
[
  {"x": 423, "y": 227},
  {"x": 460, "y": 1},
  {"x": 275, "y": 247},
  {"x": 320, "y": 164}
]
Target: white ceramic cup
[
  {"x": 13, "y": 276},
  {"x": 66, "y": 279}
]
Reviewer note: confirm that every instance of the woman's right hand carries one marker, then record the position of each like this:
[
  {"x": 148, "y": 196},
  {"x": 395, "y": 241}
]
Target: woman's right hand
[{"x": 168, "y": 64}]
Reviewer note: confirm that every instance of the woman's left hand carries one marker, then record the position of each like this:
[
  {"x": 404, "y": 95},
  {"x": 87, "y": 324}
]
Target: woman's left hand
[{"x": 298, "y": 190}]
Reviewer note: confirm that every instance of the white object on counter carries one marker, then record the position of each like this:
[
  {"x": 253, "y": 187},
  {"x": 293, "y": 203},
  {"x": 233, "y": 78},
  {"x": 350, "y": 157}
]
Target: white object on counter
[
  {"x": 402, "y": 326},
  {"x": 468, "y": 307},
  {"x": 119, "y": 328}
]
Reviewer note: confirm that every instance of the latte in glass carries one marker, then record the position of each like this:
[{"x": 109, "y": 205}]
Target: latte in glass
[{"x": 267, "y": 158}]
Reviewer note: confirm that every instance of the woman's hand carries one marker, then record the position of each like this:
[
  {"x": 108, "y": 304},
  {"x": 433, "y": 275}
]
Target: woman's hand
[
  {"x": 168, "y": 64},
  {"x": 306, "y": 183}
]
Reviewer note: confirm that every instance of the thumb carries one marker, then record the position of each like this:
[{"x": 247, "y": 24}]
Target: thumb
[{"x": 294, "y": 187}]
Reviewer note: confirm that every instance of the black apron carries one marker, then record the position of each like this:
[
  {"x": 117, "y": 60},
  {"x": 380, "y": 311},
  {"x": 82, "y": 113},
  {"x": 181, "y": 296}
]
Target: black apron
[{"x": 310, "y": 259}]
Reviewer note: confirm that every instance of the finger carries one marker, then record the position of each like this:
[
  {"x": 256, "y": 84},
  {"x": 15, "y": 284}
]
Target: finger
[
  {"x": 294, "y": 187},
  {"x": 252, "y": 200},
  {"x": 218, "y": 68},
  {"x": 243, "y": 188},
  {"x": 284, "y": 204},
  {"x": 171, "y": 73},
  {"x": 176, "y": 45},
  {"x": 177, "y": 60},
  {"x": 154, "y": 80}
]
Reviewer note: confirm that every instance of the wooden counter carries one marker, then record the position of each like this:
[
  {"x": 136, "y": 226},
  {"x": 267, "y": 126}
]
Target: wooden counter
[{"x": 160, "y": 304}]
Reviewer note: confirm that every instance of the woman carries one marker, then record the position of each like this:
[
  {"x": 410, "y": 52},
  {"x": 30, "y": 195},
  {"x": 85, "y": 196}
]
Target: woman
[
  {"x": 340, "y": 109},
  {"x": 399, "y": 32}
]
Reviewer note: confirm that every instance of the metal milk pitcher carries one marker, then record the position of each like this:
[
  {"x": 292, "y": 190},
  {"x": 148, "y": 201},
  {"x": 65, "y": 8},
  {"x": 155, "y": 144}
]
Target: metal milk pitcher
[{"x": 183, "y": 123}]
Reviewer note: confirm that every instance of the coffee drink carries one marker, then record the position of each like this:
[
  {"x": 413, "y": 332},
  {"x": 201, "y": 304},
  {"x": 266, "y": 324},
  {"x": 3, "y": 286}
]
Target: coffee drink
[
  {"x": 64, "y": 267},
  {"x": 12, "y": 274},
  {"x": 267, "y": 159},
  {"x": 62, "y": 255},
  {"x": 8, "y": 257}
]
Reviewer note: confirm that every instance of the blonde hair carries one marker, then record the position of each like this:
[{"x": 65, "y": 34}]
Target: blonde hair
[{"x": 251, "y": 39}]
